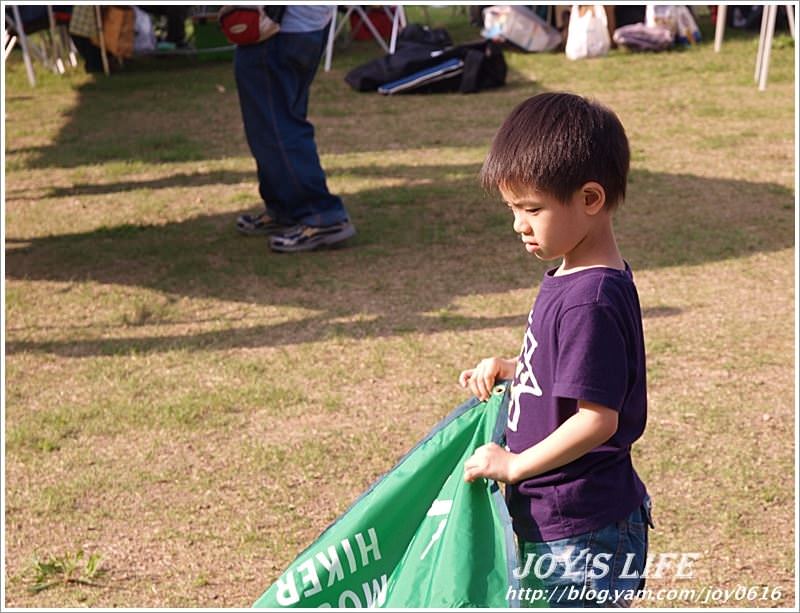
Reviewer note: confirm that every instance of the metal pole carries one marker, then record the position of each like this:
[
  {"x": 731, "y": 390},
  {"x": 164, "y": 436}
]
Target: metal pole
[
  {"x": 722, "y": 15},
  {"x": 98, "y": 17},
  {"x": 760, "y": 52},
  {"x": 772, "y": 12},
  {"x": 375, "y": 34},
  {"x": 8, "y": 42},
  {"x": 395, "y": 29},
  {"x": 331, "y": 37},
  {"x": 55, "y": 42},
  {"x": 23, "y": 41}
]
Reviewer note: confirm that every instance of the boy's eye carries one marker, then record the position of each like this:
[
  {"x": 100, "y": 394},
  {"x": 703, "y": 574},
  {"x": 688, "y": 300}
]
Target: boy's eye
[{"x": 530, "y": 209}]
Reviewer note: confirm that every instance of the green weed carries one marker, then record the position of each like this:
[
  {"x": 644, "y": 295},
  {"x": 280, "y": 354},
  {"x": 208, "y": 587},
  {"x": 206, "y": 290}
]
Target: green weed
[{"x": 67, "y": 569}]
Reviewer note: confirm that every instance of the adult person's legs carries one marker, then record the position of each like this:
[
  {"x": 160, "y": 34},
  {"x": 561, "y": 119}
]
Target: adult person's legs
[
  {"x": 93, "y": 61},
  {"x": 273, "y": 79}
]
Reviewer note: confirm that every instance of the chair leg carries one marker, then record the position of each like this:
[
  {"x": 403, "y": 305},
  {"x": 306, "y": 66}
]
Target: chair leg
[
  {"x": 98, "y": 17},
  {"x": 68, "y": 45},
  {"x": 761, "y": 38},
  {"x": 771, "y": 12},
  {"x": 23, "y": 41},
  {"x": 331, "y": 37},
  {"x": 396, "y": 26},
  {"x": 345, "y": 20},
  {"x": 8, "y": 44},
  {"x": 375, "y": 34},
  {"x": 55, "y": 42}
]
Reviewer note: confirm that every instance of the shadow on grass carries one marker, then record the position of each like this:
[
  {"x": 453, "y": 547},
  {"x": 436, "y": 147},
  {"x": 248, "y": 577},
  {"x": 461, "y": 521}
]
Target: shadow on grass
[
  {"x": 311, "y": 329},
  {"x": 226, "y": 177},
  {"x": 180, "y": 109},
  {"x": 114, "y": 120},
  {"x": 188, "y": 179},
  {"x": 419, "y": 248}
]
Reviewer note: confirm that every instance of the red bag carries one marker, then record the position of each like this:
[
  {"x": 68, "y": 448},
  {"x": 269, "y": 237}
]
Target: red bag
[{"x": 247, "y": 25}]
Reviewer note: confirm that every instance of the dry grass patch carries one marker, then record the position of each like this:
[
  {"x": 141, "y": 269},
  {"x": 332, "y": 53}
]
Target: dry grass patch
[{"x": 195, "y": 410}]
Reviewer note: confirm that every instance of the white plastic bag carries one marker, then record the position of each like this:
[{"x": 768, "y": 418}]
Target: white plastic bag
[
  {"x": 521, "y": 26},
  {"x": 587, "y": 35}
]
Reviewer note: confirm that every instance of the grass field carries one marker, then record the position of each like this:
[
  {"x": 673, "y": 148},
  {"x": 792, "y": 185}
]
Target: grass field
[{"x": 195, "y": 410}]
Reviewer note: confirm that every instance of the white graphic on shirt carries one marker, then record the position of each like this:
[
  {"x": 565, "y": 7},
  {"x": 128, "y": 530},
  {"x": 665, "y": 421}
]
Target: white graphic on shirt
[{"x": 524, "y": 380}]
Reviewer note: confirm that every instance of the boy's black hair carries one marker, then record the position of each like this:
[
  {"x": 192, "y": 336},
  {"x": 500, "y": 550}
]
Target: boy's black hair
[{"x": 556, "y": 142}]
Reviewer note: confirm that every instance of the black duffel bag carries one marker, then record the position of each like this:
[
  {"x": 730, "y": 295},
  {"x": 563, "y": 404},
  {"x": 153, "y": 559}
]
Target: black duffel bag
[{"x": 419, "y": 48}]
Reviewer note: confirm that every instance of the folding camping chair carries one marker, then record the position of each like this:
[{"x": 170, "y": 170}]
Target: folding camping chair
[
  {"x": 54, "y": 49},
  {"x": 396, "y": 14}
]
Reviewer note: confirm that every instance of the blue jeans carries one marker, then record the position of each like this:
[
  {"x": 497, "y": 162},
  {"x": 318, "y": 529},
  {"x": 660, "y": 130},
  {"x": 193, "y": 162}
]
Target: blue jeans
[
  {"x": 601, "y": 568},
  {"x": 274, "y": 78}
]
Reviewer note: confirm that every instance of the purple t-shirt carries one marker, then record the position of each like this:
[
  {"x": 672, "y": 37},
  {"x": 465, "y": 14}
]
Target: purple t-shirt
[{"x": 584, "y": 341}]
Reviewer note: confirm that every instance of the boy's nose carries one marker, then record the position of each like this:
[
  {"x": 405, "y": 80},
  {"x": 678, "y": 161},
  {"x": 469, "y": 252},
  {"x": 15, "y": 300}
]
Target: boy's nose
[{"x": 520, "y": 225}]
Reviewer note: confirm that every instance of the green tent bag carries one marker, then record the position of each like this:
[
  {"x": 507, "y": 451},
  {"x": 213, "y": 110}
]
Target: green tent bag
[{"x": 420, "y": 536}]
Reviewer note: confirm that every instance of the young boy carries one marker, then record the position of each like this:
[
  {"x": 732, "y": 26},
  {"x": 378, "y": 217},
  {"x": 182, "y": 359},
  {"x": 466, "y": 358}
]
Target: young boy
[{"x": 578, "y": 398}]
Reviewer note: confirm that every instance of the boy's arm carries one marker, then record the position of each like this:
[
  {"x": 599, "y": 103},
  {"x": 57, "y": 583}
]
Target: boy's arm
[{"x": 591, "y": 426}]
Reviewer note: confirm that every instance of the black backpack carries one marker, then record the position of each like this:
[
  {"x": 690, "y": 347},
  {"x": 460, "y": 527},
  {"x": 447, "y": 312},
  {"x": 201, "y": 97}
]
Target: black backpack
[{"x": 419, "y": 48}]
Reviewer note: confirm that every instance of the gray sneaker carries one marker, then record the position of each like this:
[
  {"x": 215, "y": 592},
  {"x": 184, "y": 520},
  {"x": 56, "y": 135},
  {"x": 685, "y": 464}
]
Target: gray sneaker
[
  {"x": 259, "y": 225},
  {"x": 308, "y": 238}
]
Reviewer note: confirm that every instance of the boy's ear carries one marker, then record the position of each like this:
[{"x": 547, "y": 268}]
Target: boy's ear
[{"x": 594, "y": 197}]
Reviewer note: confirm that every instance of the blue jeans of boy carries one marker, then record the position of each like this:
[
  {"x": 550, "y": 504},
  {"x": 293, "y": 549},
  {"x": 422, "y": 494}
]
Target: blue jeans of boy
[
  {"x": 274, "y": 78},
  {"x": 601, "y": 568}
]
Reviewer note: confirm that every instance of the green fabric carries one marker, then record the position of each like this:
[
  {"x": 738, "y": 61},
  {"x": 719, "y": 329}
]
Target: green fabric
[{"x": 419, "y": 537}]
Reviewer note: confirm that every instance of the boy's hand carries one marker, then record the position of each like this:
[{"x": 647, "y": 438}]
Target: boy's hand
[
  {"x": 480, "y": 379},
  {"x": 493, "y": 462}
]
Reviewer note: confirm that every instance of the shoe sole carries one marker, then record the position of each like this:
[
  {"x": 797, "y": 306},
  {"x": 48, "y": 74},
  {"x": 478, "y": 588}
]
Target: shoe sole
[{"x": 331, "y": 241}]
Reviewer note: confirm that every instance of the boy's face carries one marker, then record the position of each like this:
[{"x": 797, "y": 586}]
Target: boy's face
[{"x": 550, "y": 229}]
